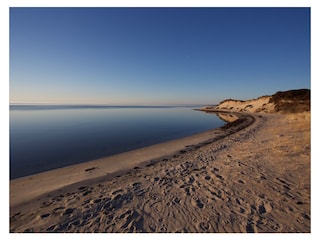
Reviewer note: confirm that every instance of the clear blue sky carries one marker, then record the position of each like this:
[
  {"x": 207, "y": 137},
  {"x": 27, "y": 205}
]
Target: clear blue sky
[{"x": 156, "y": 55}]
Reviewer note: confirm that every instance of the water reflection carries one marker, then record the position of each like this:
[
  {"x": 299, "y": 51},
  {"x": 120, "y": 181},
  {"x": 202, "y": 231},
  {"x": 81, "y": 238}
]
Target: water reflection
[
  {"x": 46, "y": 138},
  {"x": 227, "y": 117}
]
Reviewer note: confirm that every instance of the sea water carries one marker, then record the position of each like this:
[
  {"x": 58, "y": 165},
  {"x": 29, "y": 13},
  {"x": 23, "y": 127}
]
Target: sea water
[{"x": 47, "y": 137}]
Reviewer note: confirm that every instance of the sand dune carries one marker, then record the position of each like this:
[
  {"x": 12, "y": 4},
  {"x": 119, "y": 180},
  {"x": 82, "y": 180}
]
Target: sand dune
[
  {"x": 254, "y": 180},
  {"x": 292, "y": 101},
  {"x": 261, "y": 104}
]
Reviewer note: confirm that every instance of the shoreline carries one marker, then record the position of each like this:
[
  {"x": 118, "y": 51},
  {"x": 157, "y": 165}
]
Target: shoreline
[
  {"x": 25, "y": 189},
  {"x": 253, "y": 180}
]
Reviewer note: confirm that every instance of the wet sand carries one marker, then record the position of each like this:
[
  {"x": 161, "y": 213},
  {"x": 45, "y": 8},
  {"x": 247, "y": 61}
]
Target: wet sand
[{"x": 248, "y": 177}]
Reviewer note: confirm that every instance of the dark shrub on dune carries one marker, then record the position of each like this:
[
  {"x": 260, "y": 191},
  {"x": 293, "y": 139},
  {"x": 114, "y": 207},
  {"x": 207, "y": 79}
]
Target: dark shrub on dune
[{"x": 292, "y": 101}]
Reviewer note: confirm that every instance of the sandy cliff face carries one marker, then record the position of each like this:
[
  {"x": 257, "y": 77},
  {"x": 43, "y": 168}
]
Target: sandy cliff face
[
  {"x": 292, "y": 101},
  {"x": 261, "y": 104}
]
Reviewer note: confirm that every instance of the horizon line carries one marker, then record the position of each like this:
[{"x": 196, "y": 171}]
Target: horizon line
[{"x": 108, "y": 105}]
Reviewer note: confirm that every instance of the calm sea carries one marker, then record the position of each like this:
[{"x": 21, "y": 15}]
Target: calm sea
[{"x": 48, "y": 137}]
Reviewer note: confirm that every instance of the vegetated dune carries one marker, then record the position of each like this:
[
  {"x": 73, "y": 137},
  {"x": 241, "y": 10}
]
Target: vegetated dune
[{"x": 291, "y": 101}]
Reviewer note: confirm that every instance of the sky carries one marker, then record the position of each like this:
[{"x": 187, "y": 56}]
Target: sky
[{"x": 156, "y": 56}]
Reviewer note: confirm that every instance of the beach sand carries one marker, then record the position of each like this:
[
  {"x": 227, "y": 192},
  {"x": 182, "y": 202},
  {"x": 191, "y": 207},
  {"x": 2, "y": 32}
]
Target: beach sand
[{"x": 252, "y": 177}]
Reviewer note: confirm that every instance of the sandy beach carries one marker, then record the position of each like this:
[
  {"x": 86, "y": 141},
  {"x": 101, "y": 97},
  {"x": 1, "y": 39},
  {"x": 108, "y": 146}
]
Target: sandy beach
[
  {"x": 247, "y": 177},
  {"x": 175, "y": 117},
  {"x": 179, "y": 117}
]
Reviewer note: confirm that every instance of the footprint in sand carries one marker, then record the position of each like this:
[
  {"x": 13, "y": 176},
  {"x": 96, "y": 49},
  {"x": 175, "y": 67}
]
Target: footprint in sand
[
  {"x": 117, "y": 191},
  {"x": 96, "y": 200},
  {"x": 190, "y": 179},
  {"x": 82, "y": 188},
  {"x": 251, "y": 228},
  {"x": 136, "y": 184},
  {"x": 241, "y": 181},
  {"x": 207, "y": 178},
  {"x": 218, "y": 176},
  {"x": 58, "y": 209},
  {"x": 45, "y": 215},
  {"x": 68, "y": 211},
  {"x": 197, "y": 202},
  {"x": 51, "y": 228},
  {"x": 263, "y": 207},
  {"x": 152, "y": 227},
  {"x": 188, "y": 189},
  {"x": 285, "y": 185},
  {"x": 76, "y": 222},
  {"x": 204, "y": 226},
  {"x": 86, "y": 193},
  {"x": 176, "y": 200},
  {"x": 157, "y": 206}
]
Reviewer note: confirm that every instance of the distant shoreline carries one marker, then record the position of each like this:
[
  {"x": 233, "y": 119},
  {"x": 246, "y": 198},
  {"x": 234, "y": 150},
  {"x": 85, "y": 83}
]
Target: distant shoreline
[{"x": 14, "y": 106}]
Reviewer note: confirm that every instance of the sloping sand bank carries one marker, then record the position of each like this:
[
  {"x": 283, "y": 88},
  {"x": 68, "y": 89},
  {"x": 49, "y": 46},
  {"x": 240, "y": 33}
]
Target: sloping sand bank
[{"x": 253, "y": 179}]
